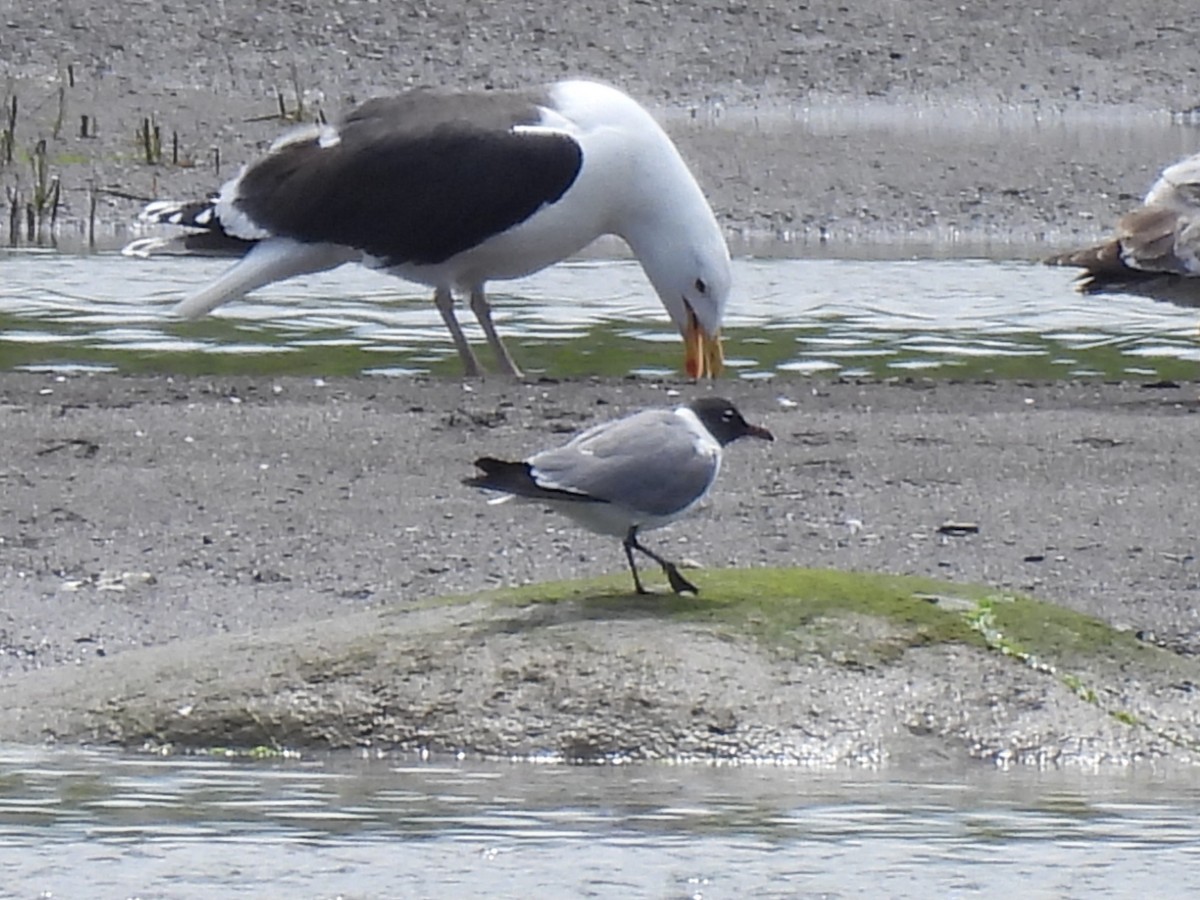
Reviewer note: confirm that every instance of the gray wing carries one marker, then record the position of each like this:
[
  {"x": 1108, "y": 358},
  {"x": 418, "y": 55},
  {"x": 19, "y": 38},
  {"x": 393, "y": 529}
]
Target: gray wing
[{"x": 648, "y": 461}]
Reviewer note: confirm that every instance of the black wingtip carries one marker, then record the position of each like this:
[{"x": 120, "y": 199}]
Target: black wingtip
[{"x": 501, "y": 475}]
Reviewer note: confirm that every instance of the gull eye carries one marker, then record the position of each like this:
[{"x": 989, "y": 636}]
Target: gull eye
[{"x": 700, "y": 286}]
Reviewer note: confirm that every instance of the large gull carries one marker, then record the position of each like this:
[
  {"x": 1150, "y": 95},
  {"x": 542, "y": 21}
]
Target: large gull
[
  {"x": 454, "y": 190},
  {"x": 629, "y": 475}
]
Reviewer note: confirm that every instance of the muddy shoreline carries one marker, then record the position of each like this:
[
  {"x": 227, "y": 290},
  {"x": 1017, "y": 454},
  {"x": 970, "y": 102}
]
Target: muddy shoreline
[{"x": 911, "y": 125}]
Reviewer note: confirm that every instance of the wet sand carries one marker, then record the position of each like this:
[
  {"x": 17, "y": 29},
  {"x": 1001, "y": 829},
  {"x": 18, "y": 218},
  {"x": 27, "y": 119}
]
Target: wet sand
[
  {"x": 141, "y": 512},
  {"x": 160, "y": 512},
  {"x": 251, "y": 504}
]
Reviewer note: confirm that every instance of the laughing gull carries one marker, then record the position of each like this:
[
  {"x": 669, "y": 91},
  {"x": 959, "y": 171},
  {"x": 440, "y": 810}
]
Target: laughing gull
[
  {"x": 1156, "y": 248},
  {"x": 632, "y": 474},
  {"x": 453, "y": 190}
]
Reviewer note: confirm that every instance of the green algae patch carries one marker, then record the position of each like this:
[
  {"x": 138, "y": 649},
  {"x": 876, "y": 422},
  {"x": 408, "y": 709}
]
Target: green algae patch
[
  {"x": 855, "y": 617},
  {"x": 1021, "y": 623}
]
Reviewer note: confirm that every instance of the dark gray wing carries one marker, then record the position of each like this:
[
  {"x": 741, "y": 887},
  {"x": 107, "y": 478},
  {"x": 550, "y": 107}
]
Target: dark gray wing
[
  {"x": 413, "y": 179},
  {"x": 649, "y": 461}
]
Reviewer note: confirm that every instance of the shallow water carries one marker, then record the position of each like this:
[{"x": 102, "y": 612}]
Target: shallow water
[
  {"x": 949, "y": 300},
  {"x": 847, "y": 317},
  {"x": 90, "y": 824}
]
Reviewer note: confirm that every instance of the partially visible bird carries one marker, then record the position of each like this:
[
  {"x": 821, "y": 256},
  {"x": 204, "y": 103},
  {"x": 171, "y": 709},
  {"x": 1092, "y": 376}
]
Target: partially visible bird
[
  {"x": 628, "y": 475},
  {"x": 454, "y": 190},
  {"x": 1156, "y": 248}
]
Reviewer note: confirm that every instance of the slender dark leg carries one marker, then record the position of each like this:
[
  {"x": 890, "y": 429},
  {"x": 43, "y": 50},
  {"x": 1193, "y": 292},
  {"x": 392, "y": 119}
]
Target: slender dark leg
[
  {"x": 637, "y": 582},
  {"x": 444, "y": 301},
  {"x": 483, "y": 313},
  {"x": 678, "y": 583}
]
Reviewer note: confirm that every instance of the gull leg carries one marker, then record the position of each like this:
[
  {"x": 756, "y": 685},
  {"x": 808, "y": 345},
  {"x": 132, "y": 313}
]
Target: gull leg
[
  {"x": 678, "y": 583},
  {"x": 483, "y": 312},
  {"x": 629, "y": 543},
  {"x": 444, "y": 301}
]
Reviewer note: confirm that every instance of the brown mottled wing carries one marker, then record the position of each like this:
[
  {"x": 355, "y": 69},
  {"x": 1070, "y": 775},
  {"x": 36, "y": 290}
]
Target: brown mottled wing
[
  {"x": 1148, "y": 238},
  {"x": 1104, "y": 257},
  {"x": 1155, "y": 245},
  {"x": 1151, "y": 243}
]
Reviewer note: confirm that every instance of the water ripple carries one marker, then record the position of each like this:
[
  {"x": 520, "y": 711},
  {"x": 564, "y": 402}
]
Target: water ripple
[
  {"x": 982, "y": 318},
  {"x": 186, "y": 828}
]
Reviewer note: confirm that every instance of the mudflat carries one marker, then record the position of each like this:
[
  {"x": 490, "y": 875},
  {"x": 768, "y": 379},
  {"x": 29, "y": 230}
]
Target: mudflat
[
  {"x": 248, "y": 504},
  {"x": 141, "y": 515},
  {"x": 161, "y": 513}
]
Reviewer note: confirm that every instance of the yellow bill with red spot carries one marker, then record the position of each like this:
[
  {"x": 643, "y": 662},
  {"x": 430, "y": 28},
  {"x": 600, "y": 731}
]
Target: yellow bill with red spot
[{"x": 702, "y": 353}]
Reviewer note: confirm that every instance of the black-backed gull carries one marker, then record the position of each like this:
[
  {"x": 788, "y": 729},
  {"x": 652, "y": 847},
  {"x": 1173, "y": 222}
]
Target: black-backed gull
[{"x": 454, "y": 190}]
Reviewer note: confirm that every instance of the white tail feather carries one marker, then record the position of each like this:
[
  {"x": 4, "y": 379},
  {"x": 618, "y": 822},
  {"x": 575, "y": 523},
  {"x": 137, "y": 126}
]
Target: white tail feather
[
  {"x": 160, "y": 210},
  {"x": 268, "y": 261},
  {"x": 145, "y": 247}
]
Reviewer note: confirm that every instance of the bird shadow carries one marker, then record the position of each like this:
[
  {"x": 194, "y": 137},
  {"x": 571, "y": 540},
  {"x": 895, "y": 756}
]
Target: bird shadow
[
  {"x": 596, "y": 604},
  {"x": 1177, "y": 290}
]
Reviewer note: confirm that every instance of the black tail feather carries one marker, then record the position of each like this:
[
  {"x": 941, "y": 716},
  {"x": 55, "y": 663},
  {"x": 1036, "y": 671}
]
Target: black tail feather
[
  {"x": 516, "y": 478},
  {"x": 200, "y": 232},
  {"x": 501, "y": 475},
  {"x": 186, "y": 214},
  {"x": 215, "y": 243}
]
